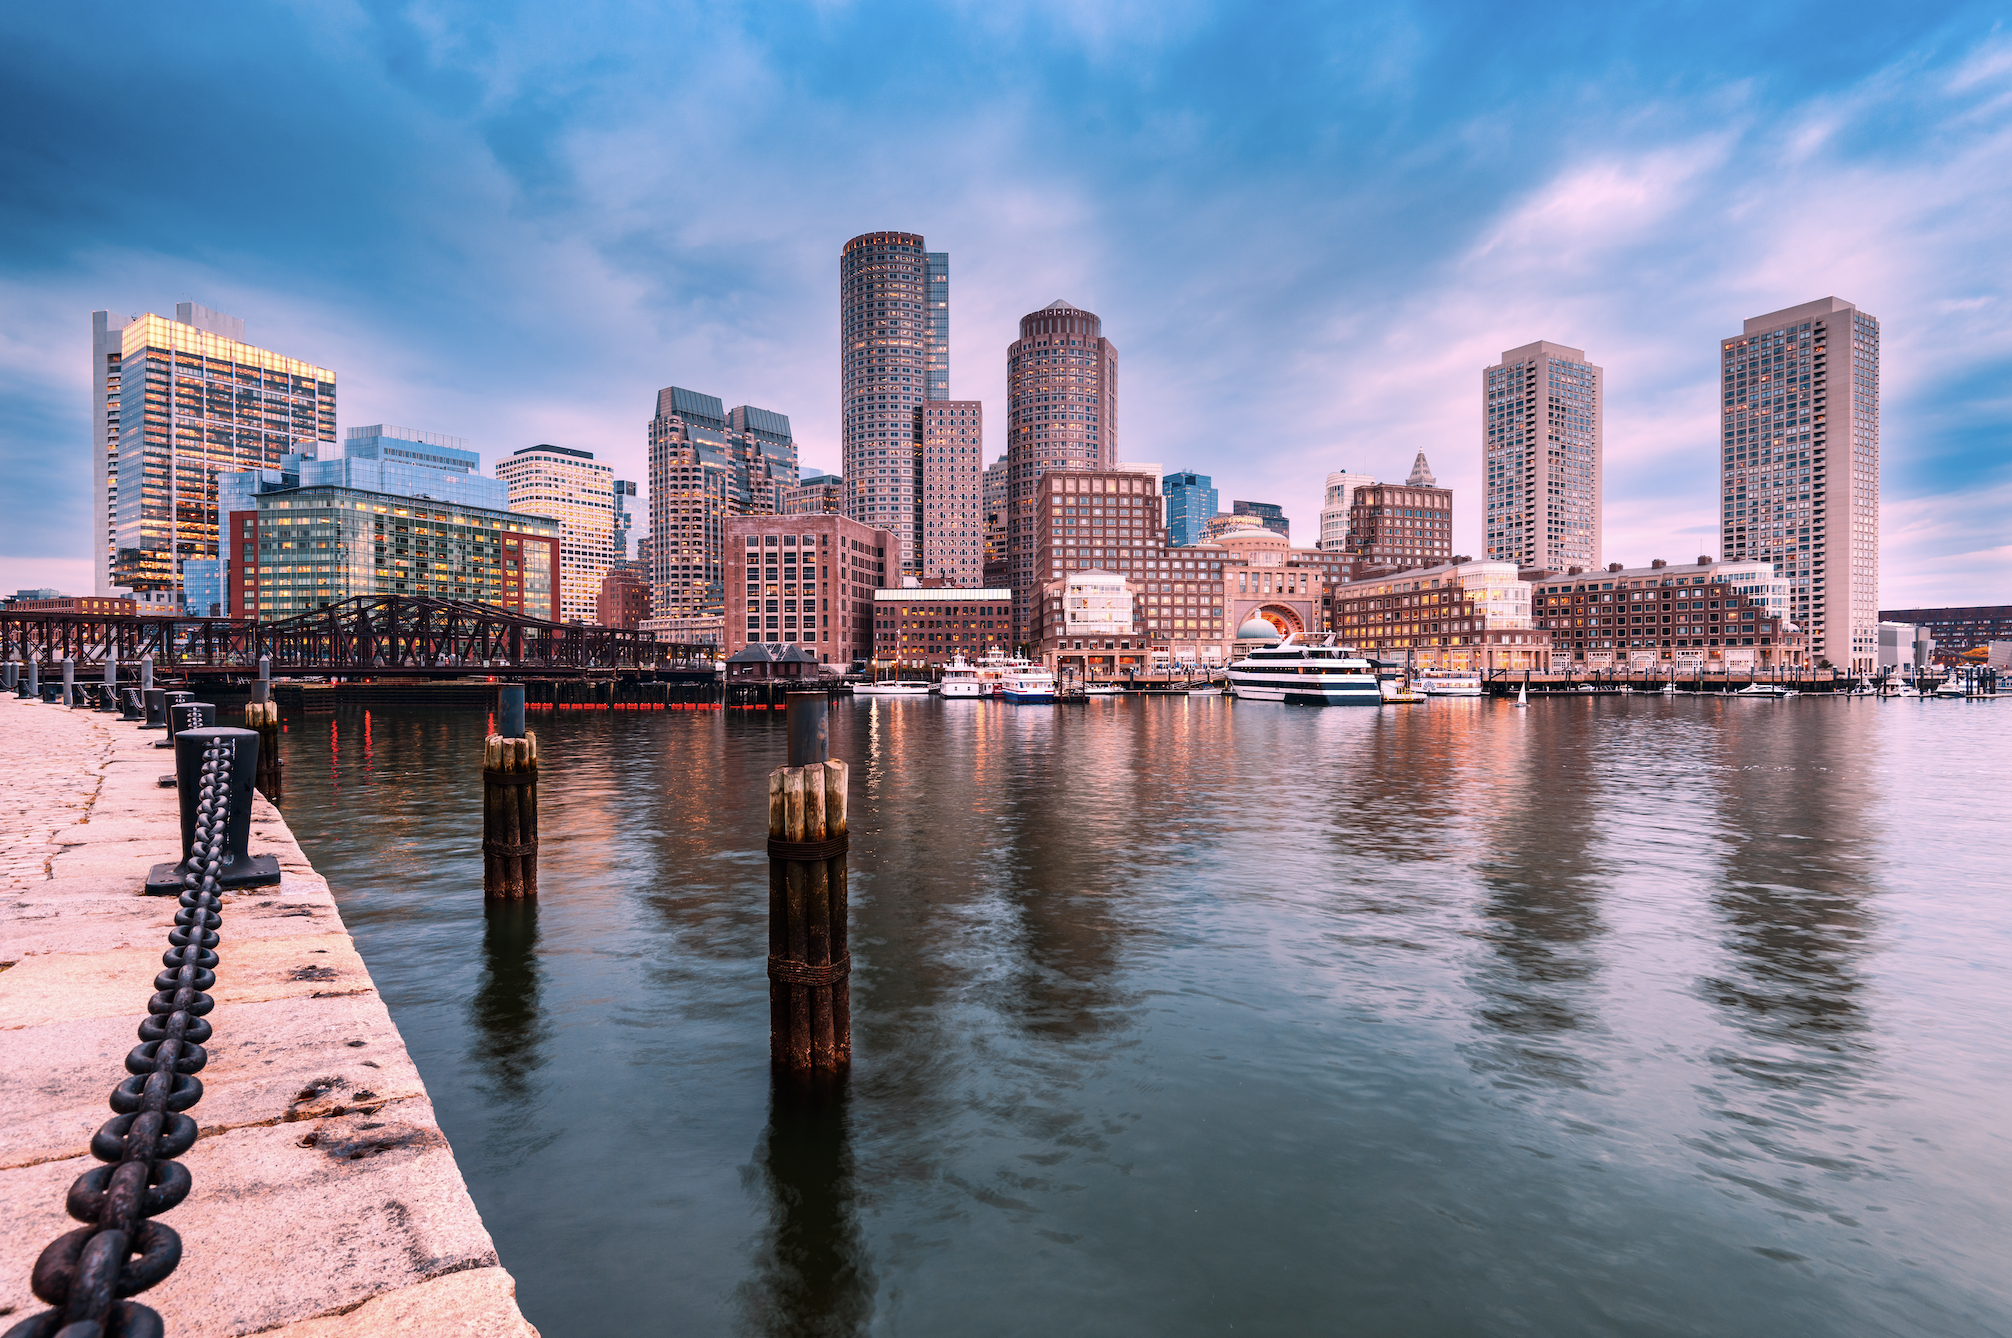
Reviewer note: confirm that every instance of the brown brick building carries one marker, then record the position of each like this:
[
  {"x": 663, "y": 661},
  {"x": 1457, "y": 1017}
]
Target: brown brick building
[
  {"x": 1402, "y": 524},
  {"x": 92, "y": 604},
  {"x": 1643, "y": 617},
  {"x": 624, "y": 600},
  {"x": 923, "y": 626},
  {"x": 808, "y": 580}
]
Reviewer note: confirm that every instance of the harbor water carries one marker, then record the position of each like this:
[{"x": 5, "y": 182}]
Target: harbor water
[{"x": 1615, "y": 1015}]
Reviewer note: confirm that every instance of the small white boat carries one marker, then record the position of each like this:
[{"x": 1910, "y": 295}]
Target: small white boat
[
  {"x": 1032, "y": 686},
  {"x": 892, "y": 687},
  {"x": 960, "y": 680},
  {"x": 1950, "y": 688},
  {"x": 1450, "y": 682},
  {"x": 1102, "y": 690},
  {"x": 1213, "y": 690},
  {"x": 1523, "y": 694},
  {"x": 1771, "y": 691}
]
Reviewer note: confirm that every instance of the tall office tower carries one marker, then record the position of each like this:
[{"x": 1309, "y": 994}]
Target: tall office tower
[
  {"x": 1799, "y": 459},
  {"x": 624, "y": 520},
  {"x": 106, "y": 353},
  {"x": 1191, "y": 504},
  {"x": 993, "y": 492},
  {"x": 194, "y": 401},
  {"x": 567, "y": 486},
  {"x": 764, "y": 453},
  {"x": 937, "y": 308},
  {"x": 886, "y": 346},
  {"x": 953, "y": 492},
  {"x": 1062, "y": 413},
  {"x": 1269, "y": 514},
  {"x": 1341, "y": 486},
  {"x": 708, "y": 463},
  {"x": 1542, "y": 454}
]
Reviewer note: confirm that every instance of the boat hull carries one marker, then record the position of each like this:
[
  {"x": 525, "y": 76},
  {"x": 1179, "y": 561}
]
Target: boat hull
[
  {"x": 1022, "y": 698},
  {"x": 1300, "y": 694}
]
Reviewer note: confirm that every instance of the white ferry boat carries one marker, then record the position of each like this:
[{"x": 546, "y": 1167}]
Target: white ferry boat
[
  {"x": 995, "y": 666},
  {"x": 1450, "y": 682},
  {"x": 1303, "y": 675},
  {"x": 1031, "y": 686},
  {"x": 892, "y": 687},
  {"x": 960, "y": 679}
]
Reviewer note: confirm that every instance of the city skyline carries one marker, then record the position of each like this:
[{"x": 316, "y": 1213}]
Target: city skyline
[{"x": 1672, "y": 182}]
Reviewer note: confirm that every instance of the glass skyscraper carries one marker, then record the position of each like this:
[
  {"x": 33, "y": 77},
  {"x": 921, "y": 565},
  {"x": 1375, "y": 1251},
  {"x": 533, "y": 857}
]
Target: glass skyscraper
[{"x": 1191, "y": 501}]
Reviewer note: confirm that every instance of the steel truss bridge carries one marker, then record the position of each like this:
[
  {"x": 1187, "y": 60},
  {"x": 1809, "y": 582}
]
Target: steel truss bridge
[{"x": 369, "y": 636}]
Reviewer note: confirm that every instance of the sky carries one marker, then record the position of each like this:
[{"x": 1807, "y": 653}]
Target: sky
[{"x": 1307, "y": 228}]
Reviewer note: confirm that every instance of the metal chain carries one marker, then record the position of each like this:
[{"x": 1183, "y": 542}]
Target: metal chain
[{"x": 88, "y": 1273}]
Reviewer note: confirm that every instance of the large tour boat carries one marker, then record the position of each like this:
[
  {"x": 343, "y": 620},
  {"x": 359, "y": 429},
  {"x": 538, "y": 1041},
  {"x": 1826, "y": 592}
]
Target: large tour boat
[
  {"x": 1303, "y": 675},
  {"x": 1030, "y": 686}
]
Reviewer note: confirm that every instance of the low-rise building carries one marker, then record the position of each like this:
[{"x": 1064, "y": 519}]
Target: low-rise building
[
  {"x": 1721, "y": 615},
  {"x": 624, "y": 600},
  {"x": 1466, "y": 616},
  {"x": 1958, "y": 629},
  {"x": 769, "y": 661},
  {"x": 807, "y": 580},
  {"x": 922, "y": 626},
  {"x": 48, "y": 601}
]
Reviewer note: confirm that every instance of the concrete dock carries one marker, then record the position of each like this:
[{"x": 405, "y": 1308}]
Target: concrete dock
[{"x": 327, "y": 1202}]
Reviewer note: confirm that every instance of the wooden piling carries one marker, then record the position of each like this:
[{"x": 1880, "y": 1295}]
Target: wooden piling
[
  {"x": 510, "y": 816},
  {"x": 810, "y": 1000},
  {"x": 264, "y": 718}
]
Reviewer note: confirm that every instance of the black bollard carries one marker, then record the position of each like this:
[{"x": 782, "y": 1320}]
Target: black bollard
[
  {"x": 133, "y": 708},
  {"x": 238, "y": 869},
  {"x": 185, "y": 716},
  {"x": 31, "y": 686},
  {"x": 155, "y": 703}
]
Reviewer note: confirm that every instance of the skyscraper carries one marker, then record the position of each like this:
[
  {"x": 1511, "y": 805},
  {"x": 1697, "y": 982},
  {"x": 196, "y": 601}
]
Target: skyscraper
[
  {"x": 708, "y": 463},
  {"x": 1062, "y": 413},
  {"x": 1799, "y": 463},
  {"x": 106, "y": 353},
  {"x": 1542, "y": 457},
  {"x": 1191, "y": 502},
  {"x": 1341, "y": 487},
  {"x": 193, "y": 401},
  {"x": 893, "y": 357},
  {"x": 993, "y": 494},
  {"x": 953, "y": 494},
  {"x": 566, "y": 485}
]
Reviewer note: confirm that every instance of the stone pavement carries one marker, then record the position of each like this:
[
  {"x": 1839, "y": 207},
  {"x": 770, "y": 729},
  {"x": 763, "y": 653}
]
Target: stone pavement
[{"x": 327, "y": 1203}]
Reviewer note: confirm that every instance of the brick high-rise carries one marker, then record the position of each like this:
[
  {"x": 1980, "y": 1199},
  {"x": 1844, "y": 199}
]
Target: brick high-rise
[
  {"x": 894, "y": 356},
  {"x": 1062, "y": 413},
  {"x": 1799, "y": 465},
  {"x": 953, "y": 491},
  {"x": 1542, "y": 453}
]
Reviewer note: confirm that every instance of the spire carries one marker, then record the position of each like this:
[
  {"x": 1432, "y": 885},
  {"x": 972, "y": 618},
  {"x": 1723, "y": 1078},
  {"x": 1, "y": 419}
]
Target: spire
[{"x": 1421, "y": 474}]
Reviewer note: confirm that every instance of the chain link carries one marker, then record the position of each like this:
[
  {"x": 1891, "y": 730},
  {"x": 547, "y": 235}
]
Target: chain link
[{"x": 119, "y": 1252}]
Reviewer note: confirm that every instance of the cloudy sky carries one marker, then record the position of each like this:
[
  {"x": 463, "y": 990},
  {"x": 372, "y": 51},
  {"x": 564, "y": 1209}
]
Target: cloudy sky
[{"x": 1307, "y": 228}]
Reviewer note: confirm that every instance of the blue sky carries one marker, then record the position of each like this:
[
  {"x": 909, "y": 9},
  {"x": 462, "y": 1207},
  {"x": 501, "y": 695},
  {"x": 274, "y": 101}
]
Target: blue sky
[{"x": 1307, "y": 228}]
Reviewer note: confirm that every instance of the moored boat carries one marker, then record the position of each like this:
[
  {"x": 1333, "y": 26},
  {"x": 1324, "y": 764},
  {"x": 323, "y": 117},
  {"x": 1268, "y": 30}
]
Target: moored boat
[
  {"x": 892, "y": 687},
  {"x": 1302, "y": 675},
  {"x": 1450, "y": 682},
  {"x": 960, "y": 680},
  {"x": 1031, "y": 686}
]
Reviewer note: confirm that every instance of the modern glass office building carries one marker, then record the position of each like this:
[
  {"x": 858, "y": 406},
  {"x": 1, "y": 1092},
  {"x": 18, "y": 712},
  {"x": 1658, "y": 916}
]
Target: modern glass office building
[{"x": 1191, "y": 502}]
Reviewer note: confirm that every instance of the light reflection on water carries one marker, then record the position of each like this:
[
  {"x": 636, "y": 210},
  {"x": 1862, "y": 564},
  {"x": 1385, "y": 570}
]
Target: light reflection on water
[{"x": 1641, "y": 1016}]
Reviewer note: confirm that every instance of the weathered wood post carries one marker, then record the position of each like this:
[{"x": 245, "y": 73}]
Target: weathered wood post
[
  {"x": 809, "y": 965},
  {"x": 262, "y": 714},
  {"x": 510, "y": 803}
]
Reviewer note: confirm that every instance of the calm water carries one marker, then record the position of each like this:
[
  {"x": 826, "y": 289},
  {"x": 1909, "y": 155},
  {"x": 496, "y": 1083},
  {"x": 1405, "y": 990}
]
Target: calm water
[{"x": 1188, "y": 1016}]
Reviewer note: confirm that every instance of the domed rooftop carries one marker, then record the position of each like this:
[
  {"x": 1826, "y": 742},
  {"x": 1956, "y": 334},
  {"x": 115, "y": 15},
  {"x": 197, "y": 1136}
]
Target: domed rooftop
[{"x": 1256, "y": 628}]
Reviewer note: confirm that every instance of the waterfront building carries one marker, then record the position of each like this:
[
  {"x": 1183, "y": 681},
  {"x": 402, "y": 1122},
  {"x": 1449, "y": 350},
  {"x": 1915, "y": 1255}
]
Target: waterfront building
[
  {"x": 706, "y": 465},
  {"x": 993, "y": 493},
  {"x": 1958, "y": 628},
  {"x": 568, "y": 486},
  {"x": 1904, "y": 648},
  {"x": 1799, "y": 466},
  {"x": 300, "y": 548},
  {"x": 1268, "y": 514},
  {"x": 894, "y": 356},
  {"x": 806, "y": 579},
  {"x": 1465, "y": 615},
  {"x": 953, "y": 491},
  {"x": 1403, "y": 524},
  {"x": 1336, "y": 510},
  {"x": 193, "y": 401},
  {"x": 1062, "y": 413},
  {"x": 624, "y": 600},
  {"x": 815, "y": 494},
  {"x": 1719, "y": 615},
  {"x": 1542, "y": 457},
  {"x": 48, "y": 601},
  {"x": 922, "y": 626},
  {"x": 1191, "y": 504}
]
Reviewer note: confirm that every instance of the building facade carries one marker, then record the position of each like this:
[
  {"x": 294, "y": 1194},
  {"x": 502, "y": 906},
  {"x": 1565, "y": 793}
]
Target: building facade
[
  {"x": 993, "y": 494},
  {"x": 298, "y": 549},
  {"x": 625, "y": 519},
  {"x": 1335, "y": 509},
  {"x": 107, "y": 356},
  {"x": 923, "y": 627},
  {"x": 48, "y": 601},
  {"x": 1799, "y": 466},
  {"x": 407, "y": 462},
  {"x": 815, "y": 494},
  {"x": 806, "y": 580},
  {"x": 1466, "y": 616},
  {"x": 1402, "y": 524},
  {"x": 707, "y": 465},
  {"x": 1706, "y": 613},
  {"x": 1958, "y": 629},
  {"x": 1268, "y": 514},
  {"x": 1543, "y": 457},
  {"x": 1191, "y": 504},
  {"x": 953, "y": 491},
  {"x": 568, "y": 486},
  {"x": 894, "y": 357},
  {"x": 624, "y": 600},
  {"x": 1062, "y": 413},
  {"x": 195, "y": 401}
]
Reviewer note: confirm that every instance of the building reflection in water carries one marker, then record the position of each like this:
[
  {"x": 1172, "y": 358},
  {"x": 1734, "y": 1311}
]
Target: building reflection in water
[
  {"x": 508, "y": 1027},
  {"x": 811, "y": 1275}
]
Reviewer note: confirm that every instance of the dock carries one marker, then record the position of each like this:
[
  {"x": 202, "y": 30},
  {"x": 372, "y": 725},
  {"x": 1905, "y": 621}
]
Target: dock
[{"x": 327, "y": 1201}]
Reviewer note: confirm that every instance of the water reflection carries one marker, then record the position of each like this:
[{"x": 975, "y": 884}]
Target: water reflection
[
  {"x": 811, "y": 1277},
  {"x": 509, "y": 1024}
]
